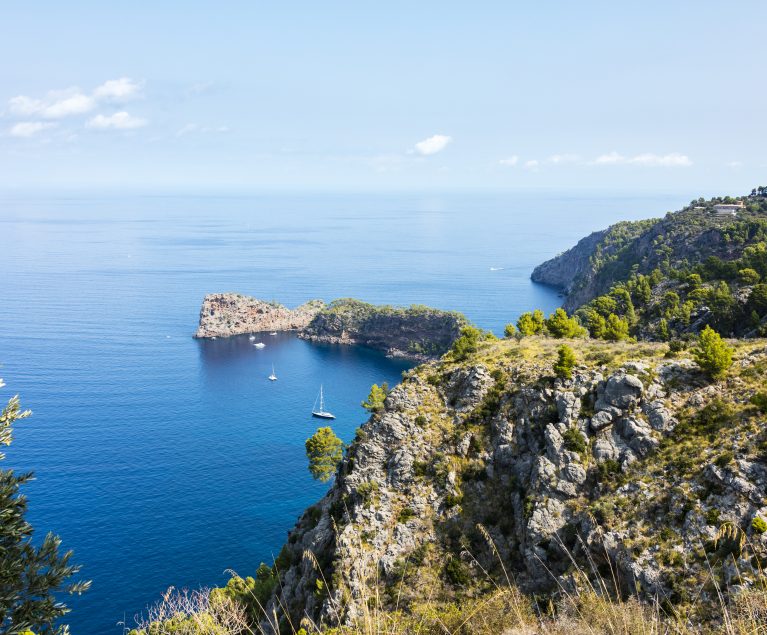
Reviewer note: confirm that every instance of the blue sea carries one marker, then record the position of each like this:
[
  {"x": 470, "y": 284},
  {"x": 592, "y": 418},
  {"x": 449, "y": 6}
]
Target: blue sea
[{"x": 164, "y": 460}]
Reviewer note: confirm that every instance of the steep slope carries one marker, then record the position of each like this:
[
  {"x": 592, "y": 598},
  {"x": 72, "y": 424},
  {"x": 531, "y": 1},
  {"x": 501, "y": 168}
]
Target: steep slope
[
  {"x": 672, "y": 276},
  {"x": 630, "y": 470},
  {"x": 417, "y": 332}
]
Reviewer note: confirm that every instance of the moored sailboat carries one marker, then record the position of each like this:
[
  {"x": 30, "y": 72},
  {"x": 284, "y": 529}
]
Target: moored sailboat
[{"x": 320, "y": 412}]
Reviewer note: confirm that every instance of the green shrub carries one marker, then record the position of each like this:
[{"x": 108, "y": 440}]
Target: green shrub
[
  {"x": 563, "y": 367},
  {"x": 457, "y": 572},
  {"x": 608, "y": 469},
  {"x": 712, "y": 516},
  {"x": 724, "y": 459},
  {"x": 324, "y": 451},
  {"x": 405, "y": 514},
  {"x": 760, "y": 401},
  {"x": 509, "y": 330},
  {"x": 531, "y": 323},
  {"x": 366, "y": 490},
  {"x": 712, "y": 353},
  {"x": 451, "y": 500},
  {"x": 759, "y": 524},
  {"x": 748, "y": 276},
  {"x": 574, "y": 440},
  {"x": 559, "y": 325},
  {"x": 420, "y": 420},
  {"x": 616, "y": 328},
  {"x": 467, "y": 343},
  {"x": 376, "y": 398},
  {"x": 250, "y": 593}
]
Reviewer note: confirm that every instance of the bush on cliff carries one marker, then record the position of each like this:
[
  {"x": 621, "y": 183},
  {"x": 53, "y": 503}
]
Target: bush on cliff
[
  {"x": 712, "y": 354},
  {"x": 467, "y": 343},
  {"x": 250, "y": 593},
  {"x": 376, "y": 398},
  {"x": 324, "y": 451},
  {"x": 563, "y": 367},
  {"x": 531, "y": 323}
]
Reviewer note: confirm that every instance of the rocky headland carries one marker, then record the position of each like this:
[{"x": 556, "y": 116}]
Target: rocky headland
[
  {"x": 227, "y": 314},
  {"x": 415, "y": 332}
]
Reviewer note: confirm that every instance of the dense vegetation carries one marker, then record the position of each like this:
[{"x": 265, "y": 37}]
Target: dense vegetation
[{"x": 669, "y": 278}]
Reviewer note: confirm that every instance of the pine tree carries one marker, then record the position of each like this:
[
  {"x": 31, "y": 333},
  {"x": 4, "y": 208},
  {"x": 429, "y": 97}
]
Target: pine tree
[
  {"x": 30, "y": 576},
  {"x": 324, "y": 451},
  {"x": 563, "y": 367},
  {"x": 376, "y": 398},
  {"x": 531, "y": 323},
  {"x": 712, "y": 353}
]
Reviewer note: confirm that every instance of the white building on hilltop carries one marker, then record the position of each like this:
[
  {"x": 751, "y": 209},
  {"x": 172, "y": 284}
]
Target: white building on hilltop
[{"x": 728, "y": 209}]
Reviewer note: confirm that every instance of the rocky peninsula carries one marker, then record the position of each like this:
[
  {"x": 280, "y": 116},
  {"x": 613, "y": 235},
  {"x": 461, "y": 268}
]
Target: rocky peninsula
[
  {"x": 416, "y": 332},
  {"x": 227, "y": 314}
]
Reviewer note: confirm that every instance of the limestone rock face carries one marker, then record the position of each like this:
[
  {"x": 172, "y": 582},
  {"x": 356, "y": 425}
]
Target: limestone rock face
[
  {"x": 542, "y": 464},
  {"x": 226, "y": 314}
]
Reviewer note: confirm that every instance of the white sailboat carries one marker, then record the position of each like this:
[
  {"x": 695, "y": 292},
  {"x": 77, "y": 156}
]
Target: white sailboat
[
  {"x": 259, "y": 345},
  {"x": 252, "y": 338},
  {"x": 321, "y": 413},
  {"x": 272, "y": 377}
]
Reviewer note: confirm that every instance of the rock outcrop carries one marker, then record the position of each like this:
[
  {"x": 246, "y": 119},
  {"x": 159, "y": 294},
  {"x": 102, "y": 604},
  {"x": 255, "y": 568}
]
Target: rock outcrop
[
  {"x": 226, "y": 314},
  {"x": 416, "y": 332},
  {"x": 493, "y": 460}
]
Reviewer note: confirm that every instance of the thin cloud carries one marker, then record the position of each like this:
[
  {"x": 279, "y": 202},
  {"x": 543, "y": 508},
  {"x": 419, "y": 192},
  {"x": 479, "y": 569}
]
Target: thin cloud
[
  {"x": 118, "y": 121},
  {"x": 510, "y": 161},
  {"x": 671, "y": 160},
  {"x": 432, "y": 145},
  {"x": 560, "y": 159},
  {"x": 55, "y": 105},
  {"x": 192, "y": 128},
  {"x": 72, "y": 102},
  {"x": 532, "y": 164},
  {"x": 121, "y": 89},
  {"x": 26, "y": 129}
]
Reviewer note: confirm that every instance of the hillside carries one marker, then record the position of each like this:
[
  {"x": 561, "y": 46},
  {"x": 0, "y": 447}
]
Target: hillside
[
  {"x": 630, "y": 474},
  {"x": 672, "y": 276}
]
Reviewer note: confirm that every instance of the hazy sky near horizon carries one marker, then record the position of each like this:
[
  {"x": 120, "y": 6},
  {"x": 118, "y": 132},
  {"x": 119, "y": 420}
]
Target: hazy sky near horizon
[{"x": 655, "y": 96}]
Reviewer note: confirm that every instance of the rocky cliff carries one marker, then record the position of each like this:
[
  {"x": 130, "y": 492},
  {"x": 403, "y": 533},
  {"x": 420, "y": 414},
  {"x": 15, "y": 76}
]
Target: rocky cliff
[
  {"x": 575, "y": 271},
  {"x": 417, "y": 332},
  {"x": 226, "y": 314},
  {"x": 637, "y": 471},
  {"x": 671, "y": 277}
]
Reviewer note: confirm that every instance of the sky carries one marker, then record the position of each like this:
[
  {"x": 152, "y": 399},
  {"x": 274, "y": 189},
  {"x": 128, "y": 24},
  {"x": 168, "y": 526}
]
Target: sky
[{"x": 640, "y": 96}]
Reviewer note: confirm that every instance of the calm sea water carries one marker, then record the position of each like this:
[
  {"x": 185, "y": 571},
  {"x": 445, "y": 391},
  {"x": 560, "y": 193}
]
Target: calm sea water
[{"x": 162, "y": 460}]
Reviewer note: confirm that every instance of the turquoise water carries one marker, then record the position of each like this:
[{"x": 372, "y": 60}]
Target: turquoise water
[{"x": 162, "y": 460}]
